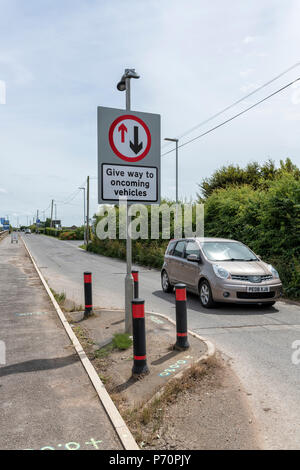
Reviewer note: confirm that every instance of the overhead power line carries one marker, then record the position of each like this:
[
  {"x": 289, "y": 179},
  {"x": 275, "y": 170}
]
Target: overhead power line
[
  {"x": 235, "y": 116},
  {"x": 202, "y": 123},
  {"x": 240, "y": 100},
  {"x": 67, "y": 200},
  {"x": 72, "y": 195}
]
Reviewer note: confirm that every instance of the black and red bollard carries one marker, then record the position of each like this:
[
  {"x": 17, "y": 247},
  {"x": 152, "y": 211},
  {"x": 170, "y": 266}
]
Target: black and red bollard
[
  {"x": 135, "y": 275},
  {"x": 181, "y": 318},
  {"x": 87, "y": 276},
  {"x": 139, "y": 338}
]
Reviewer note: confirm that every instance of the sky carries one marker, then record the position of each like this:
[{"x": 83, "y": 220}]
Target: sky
[{"x": 60, "y": 59}]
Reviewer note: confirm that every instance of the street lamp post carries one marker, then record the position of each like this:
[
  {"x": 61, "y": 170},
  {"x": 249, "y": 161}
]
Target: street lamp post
[
  {"x": 124, "y": 85},
  {"x": 84, "y": 234},
  {"x": 176, "y": 142}
]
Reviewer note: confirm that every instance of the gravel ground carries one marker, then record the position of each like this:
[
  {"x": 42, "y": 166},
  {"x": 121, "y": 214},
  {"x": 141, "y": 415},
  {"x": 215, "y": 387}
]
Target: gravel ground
[{"x": 213, "y": 415}]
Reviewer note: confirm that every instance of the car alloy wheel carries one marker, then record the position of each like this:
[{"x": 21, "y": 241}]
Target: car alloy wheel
[
  {"x": 165, "y": 283},
  {"x": 205, "y": 295}
]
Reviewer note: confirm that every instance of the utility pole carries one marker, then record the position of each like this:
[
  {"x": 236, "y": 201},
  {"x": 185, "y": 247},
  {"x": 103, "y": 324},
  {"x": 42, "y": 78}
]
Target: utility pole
[
  {"x": 124, "y": 85},
  {"x": 87, "y": 209},
  {"x": 36, "y": 223},
  {"x": 84, "y": 231},
  {"x": 51, "y": 212},
  {"x": 176, "y": 143}
]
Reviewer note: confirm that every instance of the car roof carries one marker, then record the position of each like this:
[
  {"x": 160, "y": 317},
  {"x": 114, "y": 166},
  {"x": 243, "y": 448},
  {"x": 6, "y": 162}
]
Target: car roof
[{"x": 204, "y": 239}]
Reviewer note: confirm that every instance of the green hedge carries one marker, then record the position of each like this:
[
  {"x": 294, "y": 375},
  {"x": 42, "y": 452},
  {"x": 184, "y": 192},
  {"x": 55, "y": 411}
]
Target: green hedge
[
  {"x": 63, "y": 234},
  {"x": 53, "y": 232},
  {"x": 148, "y": 254}
]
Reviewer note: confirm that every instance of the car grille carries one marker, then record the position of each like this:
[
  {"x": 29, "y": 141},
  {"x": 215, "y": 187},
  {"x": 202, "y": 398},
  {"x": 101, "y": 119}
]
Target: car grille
[
  {"x": 249, "y": 278},
  {"x": 255, "y": 295}
]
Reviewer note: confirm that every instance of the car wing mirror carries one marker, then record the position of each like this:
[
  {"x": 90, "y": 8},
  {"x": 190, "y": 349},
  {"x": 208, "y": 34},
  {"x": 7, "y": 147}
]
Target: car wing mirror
[{"x": 194, "y": 258}]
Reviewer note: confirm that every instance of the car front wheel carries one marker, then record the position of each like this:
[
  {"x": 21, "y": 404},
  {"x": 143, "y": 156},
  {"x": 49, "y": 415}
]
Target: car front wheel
[
  {"x": 165, "y": 283},
  {"x": 206, "y": 295}
]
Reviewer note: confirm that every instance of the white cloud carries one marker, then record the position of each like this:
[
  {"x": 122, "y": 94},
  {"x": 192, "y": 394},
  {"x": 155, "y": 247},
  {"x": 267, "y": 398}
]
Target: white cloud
[
  {"x": 246, "y": 73},
  {"x": 18, "y": 73},
  {"x": 249, "y": 39},
  {"x": 2, "y": 190},
  {"x": 292, "y": 116},
  {"x": 262, "y": 55}
]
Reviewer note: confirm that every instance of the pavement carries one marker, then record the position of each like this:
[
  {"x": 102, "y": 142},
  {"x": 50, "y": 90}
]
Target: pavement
[
  {"x": 47, "y": 399},
  {"x": 258, "y": 340}
]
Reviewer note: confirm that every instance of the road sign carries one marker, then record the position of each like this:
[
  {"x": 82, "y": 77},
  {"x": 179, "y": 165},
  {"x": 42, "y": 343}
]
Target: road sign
[
  {"x": 130, "y": 138},
  {"x": 128, "y": 156}
]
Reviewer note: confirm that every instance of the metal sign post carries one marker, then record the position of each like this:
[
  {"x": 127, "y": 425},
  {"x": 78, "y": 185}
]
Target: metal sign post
[
  {"x": 128, "y": 166},
  {"x": 128, "y": 279}
]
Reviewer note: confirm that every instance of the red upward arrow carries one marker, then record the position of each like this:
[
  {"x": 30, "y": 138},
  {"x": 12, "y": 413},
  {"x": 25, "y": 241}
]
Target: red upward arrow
[{"x": 122, "y": 129}]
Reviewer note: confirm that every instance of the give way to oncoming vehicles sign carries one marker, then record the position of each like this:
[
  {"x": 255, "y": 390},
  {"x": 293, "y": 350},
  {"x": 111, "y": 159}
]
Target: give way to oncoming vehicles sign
[{"x": 128, "y": 156}]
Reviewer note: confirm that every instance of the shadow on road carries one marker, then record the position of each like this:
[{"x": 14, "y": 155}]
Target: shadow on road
[
  {"x": 165, "y": 358},
  {"x": 193, "y": 303},
  {"x": 38, "y": 364}
]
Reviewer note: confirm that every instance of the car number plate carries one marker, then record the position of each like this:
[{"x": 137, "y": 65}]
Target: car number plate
[{"x": 258, "y": 289}]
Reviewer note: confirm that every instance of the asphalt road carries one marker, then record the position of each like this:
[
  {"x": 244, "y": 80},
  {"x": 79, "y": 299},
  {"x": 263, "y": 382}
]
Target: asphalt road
[{"x": 258, "y": 340}]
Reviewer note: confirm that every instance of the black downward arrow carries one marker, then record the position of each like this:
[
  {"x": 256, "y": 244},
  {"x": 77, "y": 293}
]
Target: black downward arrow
[{"x": 136, "y": 147}]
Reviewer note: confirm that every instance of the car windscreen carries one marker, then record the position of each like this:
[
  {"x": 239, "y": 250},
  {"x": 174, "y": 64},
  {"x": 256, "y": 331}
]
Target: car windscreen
[{"x": 227, "y": 251}]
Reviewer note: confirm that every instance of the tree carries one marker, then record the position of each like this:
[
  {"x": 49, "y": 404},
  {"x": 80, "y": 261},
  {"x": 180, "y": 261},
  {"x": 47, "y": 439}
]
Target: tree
[{"x": 254, "y": 175}]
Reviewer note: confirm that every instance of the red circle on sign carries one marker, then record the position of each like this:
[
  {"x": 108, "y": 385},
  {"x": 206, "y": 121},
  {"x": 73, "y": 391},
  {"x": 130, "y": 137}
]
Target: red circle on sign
[{"x": 114, "y": 148}]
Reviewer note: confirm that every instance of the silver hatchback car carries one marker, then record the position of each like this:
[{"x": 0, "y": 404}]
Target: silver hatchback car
[{"x": 220, "y": 270}]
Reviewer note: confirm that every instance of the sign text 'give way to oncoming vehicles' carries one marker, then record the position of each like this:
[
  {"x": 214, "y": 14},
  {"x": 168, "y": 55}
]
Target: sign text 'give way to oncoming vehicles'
[{"x": 128, "y": 156}]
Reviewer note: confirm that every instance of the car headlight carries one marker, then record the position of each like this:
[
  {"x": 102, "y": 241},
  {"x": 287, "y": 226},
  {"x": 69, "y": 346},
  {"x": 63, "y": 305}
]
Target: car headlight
[
  {"x": 221, "y": 272},
  {"x": 273, "y": 271}
]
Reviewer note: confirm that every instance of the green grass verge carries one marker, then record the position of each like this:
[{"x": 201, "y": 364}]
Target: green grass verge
[{"x": 121, "y": 342}]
